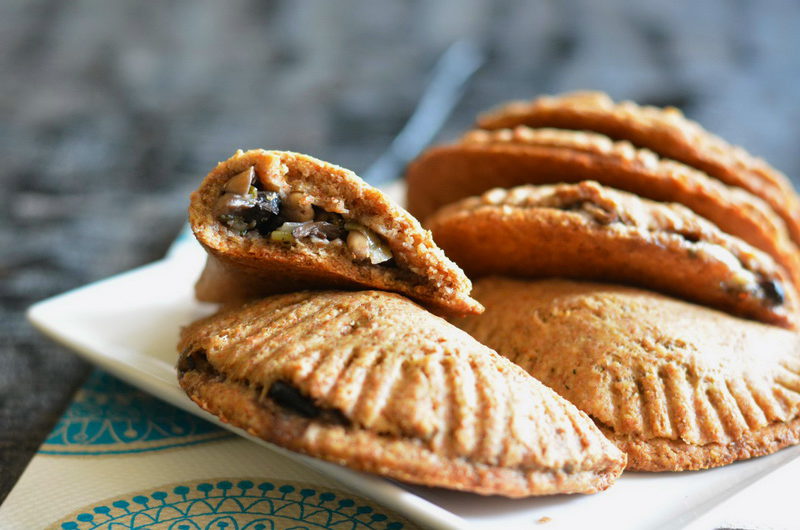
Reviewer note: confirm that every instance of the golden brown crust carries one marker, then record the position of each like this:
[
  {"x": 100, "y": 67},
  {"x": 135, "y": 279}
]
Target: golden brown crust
[
  {"x": 671, "y": 455},
  {"x": 396, "y": 390},
  {"x": 675, "y": 385},
  {"x": 249, "y": 266},
  {"x": 587, "y": 231},
  {"x": 505, "y": 158},
  {"x": 664, "y": 131}
]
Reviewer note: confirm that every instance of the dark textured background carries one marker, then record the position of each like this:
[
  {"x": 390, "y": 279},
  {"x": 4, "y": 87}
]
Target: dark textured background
[{"x": 110, "y": 113}]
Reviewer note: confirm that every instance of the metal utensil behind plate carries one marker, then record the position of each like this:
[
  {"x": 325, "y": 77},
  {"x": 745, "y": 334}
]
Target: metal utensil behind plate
[{"x": 449, "y": 78}]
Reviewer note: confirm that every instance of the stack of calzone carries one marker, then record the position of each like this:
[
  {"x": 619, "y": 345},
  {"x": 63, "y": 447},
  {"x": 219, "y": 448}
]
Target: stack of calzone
[
  {"x": 638, "y": 265},
  {"x": 640, "y": 282},
  {"x": 328, "y": 344}
]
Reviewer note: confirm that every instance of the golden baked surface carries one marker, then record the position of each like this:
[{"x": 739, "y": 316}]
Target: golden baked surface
[
  {"x": 666, "y": 132},
  {"x": 506, "y": 158},
  {"x": 587, "y": 231},
  {"x": 372, "y": 381},
  {"x": 676, "y": 386},
  {"x": 248, "y": 265}
]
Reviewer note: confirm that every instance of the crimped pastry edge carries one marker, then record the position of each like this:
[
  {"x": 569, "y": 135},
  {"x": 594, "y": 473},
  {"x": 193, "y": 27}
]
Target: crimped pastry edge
[{"x": 365, "y": 451}]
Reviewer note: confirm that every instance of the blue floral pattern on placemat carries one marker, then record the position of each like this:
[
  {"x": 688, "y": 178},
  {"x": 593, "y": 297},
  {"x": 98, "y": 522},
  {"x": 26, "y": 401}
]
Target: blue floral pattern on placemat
[
  {"x": 234, "y": 504},
  {"x": 108, "y": 416}
]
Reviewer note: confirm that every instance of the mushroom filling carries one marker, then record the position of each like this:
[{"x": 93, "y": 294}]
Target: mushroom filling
[
  {"x": 768, "y": 290},
  {"x": 291, "y": 398},
  {"x": 196, "y": 361},
  {"x": 773, "y": 291},
  {"x": 283, "y": 394},
  {"x": 746, "y": 280},
  {"x": 245, "y": 207}
]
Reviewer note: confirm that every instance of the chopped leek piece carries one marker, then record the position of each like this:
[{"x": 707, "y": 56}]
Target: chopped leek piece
[
  {"x": 279, "y": 235},
  {"x": 284, "y": 232}
]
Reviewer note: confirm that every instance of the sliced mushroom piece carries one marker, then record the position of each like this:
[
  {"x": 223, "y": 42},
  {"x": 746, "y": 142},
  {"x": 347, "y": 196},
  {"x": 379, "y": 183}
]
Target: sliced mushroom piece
[{"x": 241, "y": 182}]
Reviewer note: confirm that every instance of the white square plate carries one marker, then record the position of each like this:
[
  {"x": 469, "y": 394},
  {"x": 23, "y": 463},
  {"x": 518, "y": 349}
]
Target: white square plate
[{"x": 129, "y": 326}]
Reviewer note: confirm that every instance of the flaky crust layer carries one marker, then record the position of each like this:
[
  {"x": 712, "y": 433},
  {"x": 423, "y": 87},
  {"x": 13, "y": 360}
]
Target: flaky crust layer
[
  {"x": 397, "y": 391},
  {"x": 676, "y": 386},
  {"x": 587, "y": 231},
  {"x": 243, "y": 267},
  {"x": 506, "y": 158},
  {"x": 666, "y": 132}
]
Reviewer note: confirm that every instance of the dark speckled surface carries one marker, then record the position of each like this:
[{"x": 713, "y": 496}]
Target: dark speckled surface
[{"x": 112, "y": 111}]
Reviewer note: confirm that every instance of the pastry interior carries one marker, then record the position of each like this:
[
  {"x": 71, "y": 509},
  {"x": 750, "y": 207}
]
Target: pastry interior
[
  {"x": 276, "y": 221},
  {"x": 253, "y": 208}
]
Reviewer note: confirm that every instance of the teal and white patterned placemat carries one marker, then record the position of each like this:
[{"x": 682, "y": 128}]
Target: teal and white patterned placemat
[{"x": 119, "y": 458}]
